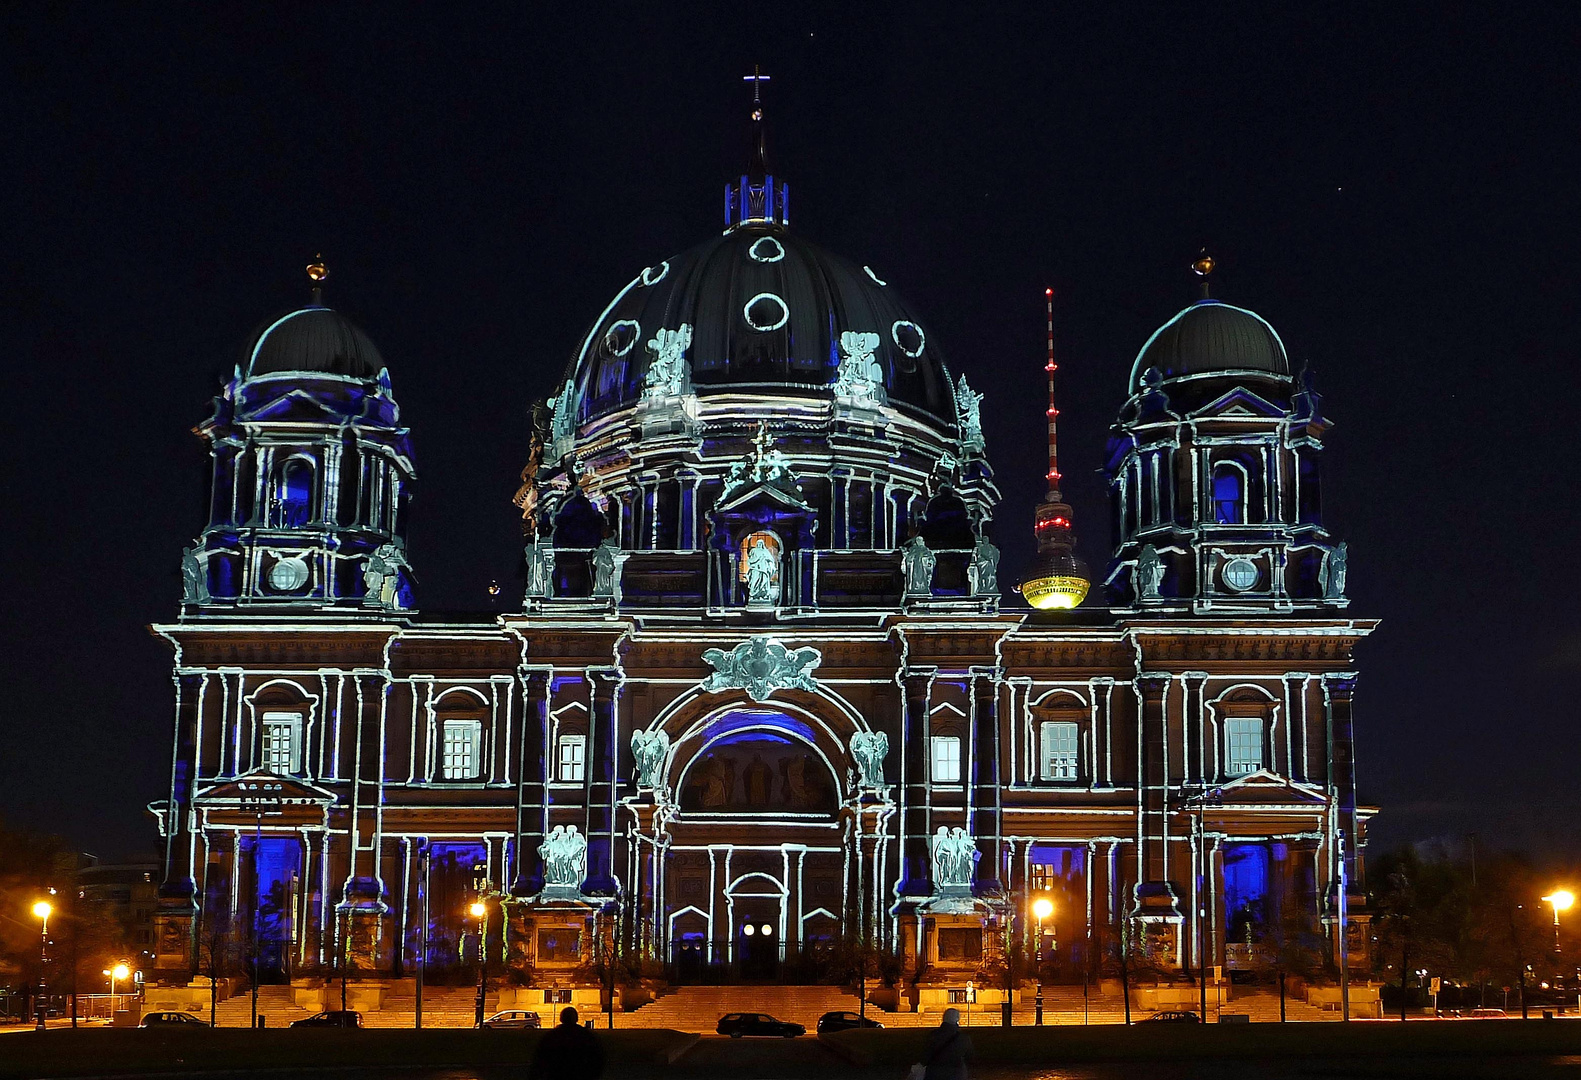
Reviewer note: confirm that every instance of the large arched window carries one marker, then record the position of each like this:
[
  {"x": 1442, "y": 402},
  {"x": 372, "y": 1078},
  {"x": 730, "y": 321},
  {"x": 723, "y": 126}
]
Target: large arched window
[
  {"x": 294, "y": 494},
  {"x": 1229, "y": 493}
]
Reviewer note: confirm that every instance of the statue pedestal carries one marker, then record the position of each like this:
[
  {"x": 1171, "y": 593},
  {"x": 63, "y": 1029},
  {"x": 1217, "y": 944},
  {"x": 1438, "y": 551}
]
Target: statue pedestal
[{"x": 671, "y": 415}]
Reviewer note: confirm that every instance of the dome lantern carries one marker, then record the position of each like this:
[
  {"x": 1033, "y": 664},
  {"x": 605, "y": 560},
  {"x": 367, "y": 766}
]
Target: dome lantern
[{"x": 756, "y": 197}]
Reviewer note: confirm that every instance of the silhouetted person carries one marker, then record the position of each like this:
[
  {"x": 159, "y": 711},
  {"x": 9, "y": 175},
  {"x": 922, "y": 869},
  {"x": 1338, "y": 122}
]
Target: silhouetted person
[
  {"x": 569, "y": 1052},
  {"x": 948, "y": 1049}
]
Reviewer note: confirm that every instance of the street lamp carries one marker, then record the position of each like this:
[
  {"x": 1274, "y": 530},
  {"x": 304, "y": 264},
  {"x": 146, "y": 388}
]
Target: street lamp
[
  {"x": 117, "y": 974},
  {"x": 1560, "y": 899},
  {"x": 42, "y": 911},
  {"x": 1042, "y": 908},
  {"x": 480, "y": 911}
]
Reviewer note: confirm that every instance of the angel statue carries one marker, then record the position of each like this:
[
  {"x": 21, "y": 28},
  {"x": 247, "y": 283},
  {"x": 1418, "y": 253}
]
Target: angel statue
[
  {"x": 649, "y": 749},
  {"x": 869, "y": 748}
]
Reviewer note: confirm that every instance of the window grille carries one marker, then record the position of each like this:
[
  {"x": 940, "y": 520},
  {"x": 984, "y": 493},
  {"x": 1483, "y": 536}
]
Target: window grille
[
  {"x": 1244, "y": 752},
  {"x": 1061, "y": 750},
  {"x": 280, "y": 751},
  {"x": 462, "y": 749},
  {"x": 946, "y": 759},
  {"x": 573, "y": 758}
]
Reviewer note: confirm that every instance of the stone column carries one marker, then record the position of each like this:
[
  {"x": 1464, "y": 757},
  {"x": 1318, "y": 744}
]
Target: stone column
[
  {"x": 914, "y": 876},
  {"x": 603, "y": 756},
  {"x": 532, "y": 779},
  {"x": 985, "y": 804},
  {"x": 1153, "y": 778},
  {"x": 1338, "y": 689},
  {"x": 178, "y": 900}
]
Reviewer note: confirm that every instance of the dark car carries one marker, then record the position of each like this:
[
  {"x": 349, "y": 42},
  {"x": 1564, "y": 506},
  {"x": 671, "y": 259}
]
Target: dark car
[
  {"x": 738, "y": 1024},
  {"x": 171, "y": 1019},
  {"x": 334, "y": 1018},
  {"x": 514, "y": 1018},
  {"x": 1172, "y": 1016},
  {"x": 843, "y": 1021}
]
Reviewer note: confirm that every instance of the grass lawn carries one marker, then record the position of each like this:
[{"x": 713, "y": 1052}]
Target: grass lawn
[{"x": 104, "y": 1051}]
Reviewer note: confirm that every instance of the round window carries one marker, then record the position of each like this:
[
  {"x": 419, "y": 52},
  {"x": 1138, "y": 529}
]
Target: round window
[
  {"x": 767, "y": 250},
  {"x": 620, "y": 337},
  {"x": 288, "y": 575},
  {"x": 909, "y": 338},
  {"x": 1240, "y": 574},
  {"x": 655, "y": 274},
  {"x": 765, "y": 312}
]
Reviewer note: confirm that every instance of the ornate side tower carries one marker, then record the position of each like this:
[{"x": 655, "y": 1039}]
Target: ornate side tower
[
  {"x": 1213, "y": 472},
  {"x": 311, "y": 475}
]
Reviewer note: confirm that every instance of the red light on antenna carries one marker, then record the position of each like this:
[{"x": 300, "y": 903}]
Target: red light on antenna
[{"x": 1048, "y": 292}]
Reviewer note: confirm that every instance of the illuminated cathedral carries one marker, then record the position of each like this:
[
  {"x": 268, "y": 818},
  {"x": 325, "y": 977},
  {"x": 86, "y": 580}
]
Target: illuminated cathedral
[{"x": 766, "y": 690}]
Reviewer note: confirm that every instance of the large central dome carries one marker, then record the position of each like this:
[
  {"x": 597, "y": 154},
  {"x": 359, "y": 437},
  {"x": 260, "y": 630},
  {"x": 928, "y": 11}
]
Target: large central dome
[{"x": 766, "y": 311}]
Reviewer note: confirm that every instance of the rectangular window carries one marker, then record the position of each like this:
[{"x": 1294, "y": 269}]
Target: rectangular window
[
  {"x": 462, "y": 749},
  {"x": 946, "y": 759},
  {"x": 280, "y": 751},
  {"x": 1244, "y": 745},
  {"x": 1042, "y": 878},
  {"x": 1061, "y": 751},
  {"x": 573, "y": 759}
]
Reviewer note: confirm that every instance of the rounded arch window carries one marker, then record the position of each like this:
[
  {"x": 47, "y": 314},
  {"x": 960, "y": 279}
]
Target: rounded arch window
[
  {"x": 1229, "y": 493},
  {"x": 294, "y": 493},
  {"x": 758, "y": 763}
]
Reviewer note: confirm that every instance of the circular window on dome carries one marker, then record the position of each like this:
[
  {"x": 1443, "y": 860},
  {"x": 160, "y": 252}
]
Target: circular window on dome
[
  {"x": 875, "y": 277},
  {"x": 909, "y": 338},
  {"x": 765, "y": 312},
  {"x": 655, "y": 274},
  {"x": 288, "y": 575},
  {"x": 1240, "y": 574},
  {"x": 766, "y": 249},
  {"x": 620, "y": 337}
]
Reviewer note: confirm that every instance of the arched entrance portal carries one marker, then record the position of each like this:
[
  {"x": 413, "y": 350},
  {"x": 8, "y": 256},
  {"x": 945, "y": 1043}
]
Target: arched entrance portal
[{"x": 757, "y": 919}]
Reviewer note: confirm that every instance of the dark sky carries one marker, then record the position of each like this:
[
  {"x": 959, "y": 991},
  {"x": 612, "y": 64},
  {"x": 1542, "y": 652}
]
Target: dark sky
[{"x": 1395, "y": 191}]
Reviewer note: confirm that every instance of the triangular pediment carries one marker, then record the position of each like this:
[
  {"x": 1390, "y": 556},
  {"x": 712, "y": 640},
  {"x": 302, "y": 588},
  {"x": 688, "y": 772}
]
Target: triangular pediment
[
  {"x": 1241, "y": 403},
  {"x": 1264, "y": 786},
  {"x": 294, "y": 404},
  {"x": 265, "y": 789},
  {"x": 764, "y": 495}
]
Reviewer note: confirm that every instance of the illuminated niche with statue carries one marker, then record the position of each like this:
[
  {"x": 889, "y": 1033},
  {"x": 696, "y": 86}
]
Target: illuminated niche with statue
[{"x": 767, "y": 690}]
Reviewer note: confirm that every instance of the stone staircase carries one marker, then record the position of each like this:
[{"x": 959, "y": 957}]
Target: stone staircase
[
  {"x": 1263, "y": 1007},
  {"x": 443, "y": 1007},
  {"x": 698, "y": 1008},
  {"x": 274, "y": 1005}
]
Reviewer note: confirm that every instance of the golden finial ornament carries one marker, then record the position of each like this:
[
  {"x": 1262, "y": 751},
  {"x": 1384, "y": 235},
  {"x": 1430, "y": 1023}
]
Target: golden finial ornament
[
  {"x": 317, "y": 271},
  {"x": 1204, "y": 264}
]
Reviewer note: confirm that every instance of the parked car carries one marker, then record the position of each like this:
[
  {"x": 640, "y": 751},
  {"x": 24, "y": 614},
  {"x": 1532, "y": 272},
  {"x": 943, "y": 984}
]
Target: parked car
[
  {"x": 1172, "y": 1016},
  {"x": 738, "y": 1024},
  {"x": 335, "y": 1018},
  {"x": 513, "y": 1018},
  {"x": 843, "y": 1021},
  {"x": 171, "y": 1019},
  {"x": 1489, "y": 1014}
]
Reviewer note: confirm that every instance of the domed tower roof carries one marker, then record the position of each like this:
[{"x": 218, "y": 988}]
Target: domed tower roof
[
  {"x": 767, "y": 310},
  {"x": 1211, "y": 337},
  {"x": 312, "y": 340}
]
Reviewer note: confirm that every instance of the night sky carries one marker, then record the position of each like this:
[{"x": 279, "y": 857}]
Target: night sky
[{"x": 1395, "y": 192}]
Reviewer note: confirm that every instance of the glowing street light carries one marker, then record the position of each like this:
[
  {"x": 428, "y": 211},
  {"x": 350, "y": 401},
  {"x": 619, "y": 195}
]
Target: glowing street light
[
  {"x": 42, "y": 911},
  {"x": 118, "y": 973},
  {"x": 1560, "y": 899},
  {"x": 1042, "y": 908},
  {"x": 479, "y": 911}
]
